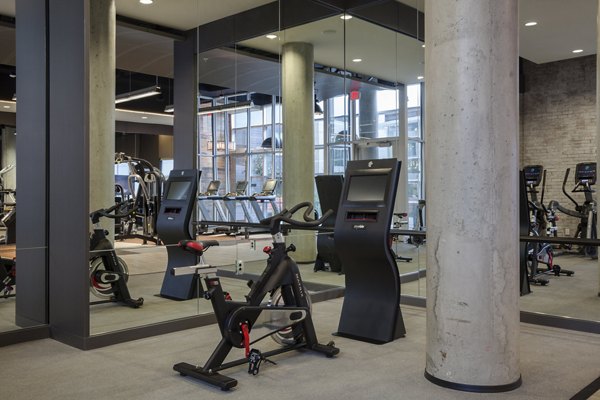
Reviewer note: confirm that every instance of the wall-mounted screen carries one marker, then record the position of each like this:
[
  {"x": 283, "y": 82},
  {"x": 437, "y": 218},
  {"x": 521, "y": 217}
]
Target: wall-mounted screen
[
  {"x": 178, "y": 190},
  {"x": 367, "y": 188}
]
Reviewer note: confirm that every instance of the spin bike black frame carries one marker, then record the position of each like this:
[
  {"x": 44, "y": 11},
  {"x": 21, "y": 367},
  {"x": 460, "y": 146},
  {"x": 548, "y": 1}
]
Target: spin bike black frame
[
  {"x": 281, "y": 272},
  {"x": 101, "y": 247}
]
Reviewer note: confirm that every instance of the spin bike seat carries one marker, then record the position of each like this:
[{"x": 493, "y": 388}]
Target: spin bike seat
[{"x": 197, "y": 247}]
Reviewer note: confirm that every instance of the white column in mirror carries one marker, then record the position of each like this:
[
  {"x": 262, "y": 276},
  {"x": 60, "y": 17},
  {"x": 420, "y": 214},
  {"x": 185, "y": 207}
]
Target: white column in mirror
[
  {"x": 367, "y": 121},
  {"x": 102, "y": 106},
  {"x": 298, "y": 136},
  {"x": 401, "y": 205},
  {"x": 471, "y": 64}
]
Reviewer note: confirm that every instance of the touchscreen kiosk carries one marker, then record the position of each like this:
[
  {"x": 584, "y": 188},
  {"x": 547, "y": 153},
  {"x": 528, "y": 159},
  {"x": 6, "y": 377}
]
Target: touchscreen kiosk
[
  {"x": 173, "y": 225},
  {"x": 371, "y": 308}
]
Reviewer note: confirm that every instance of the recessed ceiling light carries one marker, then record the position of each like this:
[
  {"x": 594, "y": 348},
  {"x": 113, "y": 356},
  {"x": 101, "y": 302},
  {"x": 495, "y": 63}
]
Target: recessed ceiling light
[
  {"x": 5, "y": 106},
  {"x": 356, "y": 59},
  {"x": 423, "y": 45},
  {"x": 146, "y": 1},
  {"x": 12, "y": 75},
  {"x": 578, "y": 51},
  {"x": 346, "y": 16},
  {"x": 271, "y": 36},
  {"x": 531, "y": 23},
  {"x": 144, "y": 117},
  {"x": 419, "y": 77}
]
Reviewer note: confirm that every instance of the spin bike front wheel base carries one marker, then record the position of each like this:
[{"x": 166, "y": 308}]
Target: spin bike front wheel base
[
  {"x": 104, "y": 290},
  {"x": 286, "y": 337}
]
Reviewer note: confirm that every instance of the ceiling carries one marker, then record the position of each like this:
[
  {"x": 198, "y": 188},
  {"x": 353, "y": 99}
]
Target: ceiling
[{"x": 562, "y": 27}]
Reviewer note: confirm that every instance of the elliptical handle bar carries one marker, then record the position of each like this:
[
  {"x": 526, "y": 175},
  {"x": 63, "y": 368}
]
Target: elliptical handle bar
[
  {"x": 564, "y": 187},
  {"x": 285, "y": 215}
]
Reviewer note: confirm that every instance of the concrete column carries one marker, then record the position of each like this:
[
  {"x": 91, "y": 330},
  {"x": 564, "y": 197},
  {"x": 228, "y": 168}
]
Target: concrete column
[
  {"x": 471, "y": 72},
  {"x": 102, "y": 107},
  {"x": 298, "y": 137}
]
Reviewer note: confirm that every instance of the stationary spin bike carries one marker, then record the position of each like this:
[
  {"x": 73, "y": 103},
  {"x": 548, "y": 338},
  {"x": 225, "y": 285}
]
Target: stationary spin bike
[
  {"x": 108, "y": 272},
  {"x": 286, "y": 316}
]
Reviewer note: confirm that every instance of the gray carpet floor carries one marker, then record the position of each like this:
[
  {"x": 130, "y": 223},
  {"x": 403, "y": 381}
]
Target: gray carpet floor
[{"x": 555, "y": 364}]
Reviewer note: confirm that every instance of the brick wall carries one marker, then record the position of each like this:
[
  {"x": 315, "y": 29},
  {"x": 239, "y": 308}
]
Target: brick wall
[{"x": 558, "y": 123}]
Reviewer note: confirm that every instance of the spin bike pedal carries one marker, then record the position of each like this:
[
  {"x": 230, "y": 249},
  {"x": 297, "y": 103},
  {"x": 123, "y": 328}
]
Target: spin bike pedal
[{"x": 255, "y": 358}]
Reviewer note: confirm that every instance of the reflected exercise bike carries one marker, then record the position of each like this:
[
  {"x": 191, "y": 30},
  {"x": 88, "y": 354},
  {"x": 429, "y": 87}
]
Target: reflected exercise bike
[{"x": 108, "y": 272}]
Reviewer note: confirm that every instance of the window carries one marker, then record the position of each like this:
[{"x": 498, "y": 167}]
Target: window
[{"x": 415, "y": 162}]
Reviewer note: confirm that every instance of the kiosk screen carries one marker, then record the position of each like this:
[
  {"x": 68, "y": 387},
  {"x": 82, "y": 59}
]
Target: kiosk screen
[
  {"x": 367, "y": 188},
  {"x": 178, "y": 190}
]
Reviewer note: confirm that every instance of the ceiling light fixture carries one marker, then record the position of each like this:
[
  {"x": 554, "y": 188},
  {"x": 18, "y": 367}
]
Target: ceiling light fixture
[
  {"x": 420, "y": 77},
  {"x": 5, "y": 106},
  {"x": 169, "y": 108},
  {"x": 124, "y": 110},
  {"x": 356, "y": 59},
  {"x": 138, "y": 94},
  {"x": 578, "y": 51},
  {"x": 146, "y": 2},
  {"x": 14, "y": 98},
  {"x": 531, "y": 23},
  {"x": 12, "y": 75},
  {"x": 232, "y": 107},
  {"x": 144, "y": 117},
  {"x": 346, "y": 17},
  {"x": 423, "y": 46},
  {"x": 271, "y": 36}
]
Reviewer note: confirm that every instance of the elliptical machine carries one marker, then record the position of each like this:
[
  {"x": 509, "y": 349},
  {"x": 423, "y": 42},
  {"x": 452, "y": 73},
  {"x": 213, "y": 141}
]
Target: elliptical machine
[
  {"x": 108, "y": 272},
  {"x": 585, "y": 178},
  {"x": 286, "y": 316},
  {"x": 539, "y": 219}
]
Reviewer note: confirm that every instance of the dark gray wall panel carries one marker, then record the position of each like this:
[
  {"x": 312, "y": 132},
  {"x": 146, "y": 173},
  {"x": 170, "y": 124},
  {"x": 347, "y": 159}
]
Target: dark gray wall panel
[
  {"x": 125, "y": 143},
  {"x": 31, "y": 302},
  {"x": 395, "y": 16},
  {"x": 149, "y": 129},
  {"x": 148, "y": 149},
  {"x": 185, "y": 103},
  {"x": 69, "y": 169},
  {"x": 9, "y": 119}
]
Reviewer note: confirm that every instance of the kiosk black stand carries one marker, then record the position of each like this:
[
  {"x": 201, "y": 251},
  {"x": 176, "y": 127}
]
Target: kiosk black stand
[
  {"x": 173, "y": 225},
  {"x": 329, "y": 190},
  {"x": 371, "y": 309}
]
